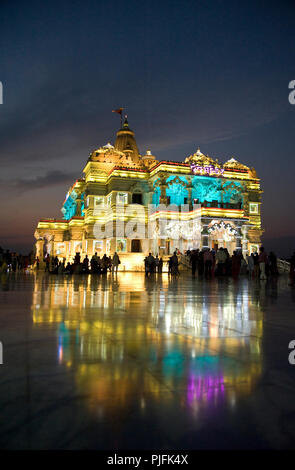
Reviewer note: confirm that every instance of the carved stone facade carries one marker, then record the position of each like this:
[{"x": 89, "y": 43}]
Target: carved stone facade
[{"x": 197, "y": 203}]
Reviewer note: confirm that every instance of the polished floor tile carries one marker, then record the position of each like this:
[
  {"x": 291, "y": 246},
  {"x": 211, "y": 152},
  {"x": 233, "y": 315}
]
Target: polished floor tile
[{"x": 127, "y": 362}]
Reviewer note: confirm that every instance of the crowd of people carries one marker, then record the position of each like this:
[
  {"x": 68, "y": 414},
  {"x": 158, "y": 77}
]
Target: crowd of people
[
  {"x": 96, "y": 265},
  {"x": 219, "y": 263},
  {"x": 205, "y": 263},
  {"x": 10, "y": 260},
  {"x": 154, "y": 264}
]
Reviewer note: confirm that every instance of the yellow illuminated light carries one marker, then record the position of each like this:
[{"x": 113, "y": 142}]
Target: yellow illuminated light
[{"x": 104, "y": 179}]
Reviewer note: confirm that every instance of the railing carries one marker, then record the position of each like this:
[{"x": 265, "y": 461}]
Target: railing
[
  {"x": 183, "y": 259},
  {"x": 283, "y": 266},
  {"x": 222, "y": 205},
  {"x": 171, "y": 206}
]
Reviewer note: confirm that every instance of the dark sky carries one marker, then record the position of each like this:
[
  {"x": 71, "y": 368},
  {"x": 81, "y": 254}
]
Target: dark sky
[{"x": 213, "y": 74}]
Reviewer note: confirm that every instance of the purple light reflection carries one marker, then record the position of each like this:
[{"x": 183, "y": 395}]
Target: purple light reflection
[{"x": 208, "y": 387}]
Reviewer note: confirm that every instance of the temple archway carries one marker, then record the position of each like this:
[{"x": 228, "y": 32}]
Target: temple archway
[{"x": 222, "y": 234}]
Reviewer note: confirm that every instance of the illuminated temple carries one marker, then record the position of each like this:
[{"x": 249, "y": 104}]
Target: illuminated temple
[{"x": 195, "y": 203}]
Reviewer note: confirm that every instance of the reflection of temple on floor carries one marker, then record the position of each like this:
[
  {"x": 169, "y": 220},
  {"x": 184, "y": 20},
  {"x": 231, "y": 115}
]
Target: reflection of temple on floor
[
  {"x": 120, "y": 337},
  {"x": 197, "y": 203}
]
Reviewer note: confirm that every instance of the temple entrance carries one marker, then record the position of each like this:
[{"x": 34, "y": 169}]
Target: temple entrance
[
  {"x": 135, "y": 246},
  {"x": 229, "y": 245},
  {"x": 222, "y": 235}
]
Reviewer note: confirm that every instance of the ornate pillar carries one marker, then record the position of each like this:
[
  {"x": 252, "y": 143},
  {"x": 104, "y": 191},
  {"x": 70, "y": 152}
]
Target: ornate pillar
[
  {"x": 245, "y": 241},
  {"x": 84, "y": 250},
  {"x": 40, "y": 253},
  {"x": 113, "y": 246},
  {"x": 189, "y": 199},
  {"x": 145, "y": 245},
  {"x": 222, "y": 192},
  {"x": 205, "y": 236},
  {"x": 162, "y": 185},
  {"x": 128, "y": 245},
  {"x": 246, "y": 203},
  {"x": 78, "y": 206},
  {"x": 51, "y": 247},
  {"x": 149, "y": 194},
  {"x": 162, "y": 246},
  {"x": 238, "y": 238},
  {"x": 150, "y": 197},
  {"x": 163, "y": 197},
  {"x": 39, "y": 248}
]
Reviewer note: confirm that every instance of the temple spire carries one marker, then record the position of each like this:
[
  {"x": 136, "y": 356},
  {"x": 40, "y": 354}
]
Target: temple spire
[
  {"x": 125, "y": 141},
  {"x": 126, "y": 124}
]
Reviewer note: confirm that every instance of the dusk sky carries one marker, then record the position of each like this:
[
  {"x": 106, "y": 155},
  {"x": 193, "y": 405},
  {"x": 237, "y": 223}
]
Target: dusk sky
[{"x": 208, "y": 74}]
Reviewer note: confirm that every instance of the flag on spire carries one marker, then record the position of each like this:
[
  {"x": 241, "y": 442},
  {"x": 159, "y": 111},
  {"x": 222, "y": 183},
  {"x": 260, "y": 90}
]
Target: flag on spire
[{"x": 118, "y": 111}]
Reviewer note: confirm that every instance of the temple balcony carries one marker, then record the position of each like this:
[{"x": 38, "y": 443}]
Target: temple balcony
[
  {"x": 206, "y": 204},
  {"x": 222, "y": 205},
  {"x": 205, "y": 209}
]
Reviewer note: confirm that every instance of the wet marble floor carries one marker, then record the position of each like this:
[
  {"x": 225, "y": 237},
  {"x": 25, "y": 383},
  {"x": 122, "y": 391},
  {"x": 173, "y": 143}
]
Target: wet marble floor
[{"x": 132, "y": 363}]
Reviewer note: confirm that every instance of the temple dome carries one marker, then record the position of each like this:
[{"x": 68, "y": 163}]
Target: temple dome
[
  {"x": 107, "y": 154},
  {"x": 149, "y": 159},
  {"x": 126, "y": 143},
  {"x": 234, "y": 164},
  {"x": 199, "y": 158}
]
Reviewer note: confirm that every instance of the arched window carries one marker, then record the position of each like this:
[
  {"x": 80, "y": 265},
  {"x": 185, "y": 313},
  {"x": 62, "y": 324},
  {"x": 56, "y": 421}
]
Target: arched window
[{"x": 137, "y": 198}]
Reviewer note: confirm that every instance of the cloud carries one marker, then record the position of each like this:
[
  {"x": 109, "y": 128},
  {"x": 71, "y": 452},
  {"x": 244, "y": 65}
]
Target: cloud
[{"x": 51, "y": 178}]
